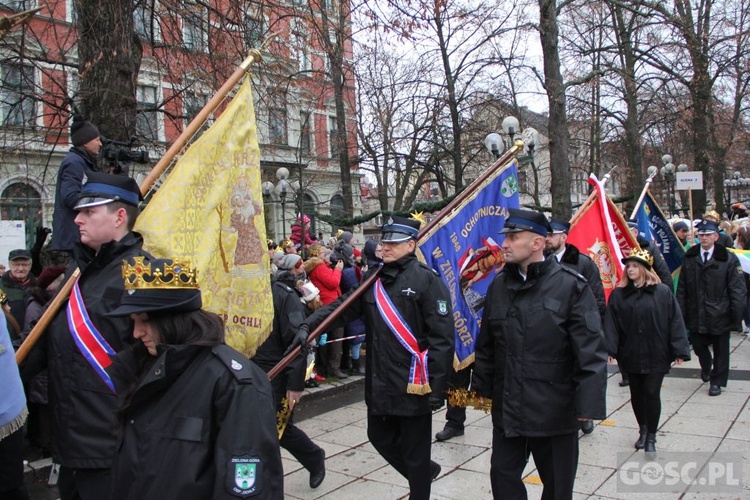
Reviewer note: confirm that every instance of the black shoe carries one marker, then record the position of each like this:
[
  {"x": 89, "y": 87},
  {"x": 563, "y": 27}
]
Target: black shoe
[
  {"x": 714, "y": 390},
  {"x": 587, "y": 426},
  {"x": 316, "y": 477},
  {"x": 448, "y": 433},
  {"x": 641, "y": 438},
  {"x": 310, "y": 383},
  {"x": 705, "y": 376},
  {"x": 435, "y": 469},
  {"x": 357, "y": 369},
  {"x": 650, "y": 446},
  {"x": 624, "y": 382}
]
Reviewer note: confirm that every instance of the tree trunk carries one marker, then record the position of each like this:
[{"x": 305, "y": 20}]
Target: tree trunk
[
  {"x": 110, "y": 55},
  {"x": 633, "y": 149},
  {"x": 558, "y": 122}
]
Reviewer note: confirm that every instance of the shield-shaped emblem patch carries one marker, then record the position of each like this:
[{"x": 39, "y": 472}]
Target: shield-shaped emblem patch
[
  {"x": 244, "y": 474},
  {"x": 442, "y": 307}
]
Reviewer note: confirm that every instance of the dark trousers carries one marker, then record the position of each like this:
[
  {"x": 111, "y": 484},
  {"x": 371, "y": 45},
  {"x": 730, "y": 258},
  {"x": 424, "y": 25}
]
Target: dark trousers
[
  {"x": 455, "y": 416},
  {"x": 645, "y": 398},
  {"x": 84, "y": 484},
  {"x": 556, "y": 459},
  {"x": 294, "y": 439},
  {"x": 718, "y": 367},
  {"x": 11, "y": 467},
  {"x": 405, "y": 444}
]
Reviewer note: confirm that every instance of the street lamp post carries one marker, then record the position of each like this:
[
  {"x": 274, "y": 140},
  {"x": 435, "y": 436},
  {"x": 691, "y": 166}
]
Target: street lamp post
[
  {"x": 668, "y": 174},
  {"x": 510, "y": 126},
  {"x": 282, "y": 188}
]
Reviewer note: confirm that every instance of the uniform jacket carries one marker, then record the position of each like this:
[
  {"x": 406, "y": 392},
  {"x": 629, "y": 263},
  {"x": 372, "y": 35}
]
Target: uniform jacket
[
  {"x": 660, "y": 265},
  {"x": 583, "y": 265},
  {"x": 17, "y": 296},
  {"x": 69, "y": 181},
  {"x": 644, "y": 329},
  {"x": 423, "y": 301},
  {"x": 195, "y": 411},
  {"x": 540, "y": 352},
  {"x": 712, "y": 296},
  {"x": 325, "y": 277},
  {"x": 83, "y": 407},
  {"x": 288, "y": 315}
]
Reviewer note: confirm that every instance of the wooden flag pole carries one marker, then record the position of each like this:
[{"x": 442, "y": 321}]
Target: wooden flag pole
[
  {"x": 365, "y": 285},
  {"x": 643, "y": 194},
  {"x": 148, "y": 182}
]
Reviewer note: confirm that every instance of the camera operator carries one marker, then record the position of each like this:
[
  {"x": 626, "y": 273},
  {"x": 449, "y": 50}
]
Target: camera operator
[{"x": 80, "y": 160}]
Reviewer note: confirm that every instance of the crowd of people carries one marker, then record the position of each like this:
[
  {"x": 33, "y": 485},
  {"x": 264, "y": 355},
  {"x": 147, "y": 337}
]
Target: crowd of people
[{"x": 134, "y": 393}]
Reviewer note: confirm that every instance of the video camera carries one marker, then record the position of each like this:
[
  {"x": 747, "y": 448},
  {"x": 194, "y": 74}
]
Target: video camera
[{"x": 121, "y": 154}]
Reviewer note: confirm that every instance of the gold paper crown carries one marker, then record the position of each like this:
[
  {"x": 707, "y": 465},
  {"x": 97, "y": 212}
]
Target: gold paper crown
[
  {"x": 287, "y": 242},
  {"x": 642, "y": 255},
  {"x": 140, "y": 276},
  {"x": 339, "y": 233}
]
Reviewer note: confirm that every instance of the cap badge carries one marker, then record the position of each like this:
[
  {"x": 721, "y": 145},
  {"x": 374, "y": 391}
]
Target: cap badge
[
  {"x": 236, "y": 365},
  {"x": 390, "y": 221}
]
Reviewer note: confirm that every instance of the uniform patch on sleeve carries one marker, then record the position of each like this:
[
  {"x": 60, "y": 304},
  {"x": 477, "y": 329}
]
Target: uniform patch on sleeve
[
  {"x": 442, "y": 307},
  {"x": 244, "y": 475}
]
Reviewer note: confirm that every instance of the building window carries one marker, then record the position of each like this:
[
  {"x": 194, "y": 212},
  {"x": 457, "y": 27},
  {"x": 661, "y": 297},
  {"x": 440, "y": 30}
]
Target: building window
[
  {"x": 20, "y": 201},
  {"x": 193, "y": 103},
  {"x": 299, "y": 42},
  {"x": 17, "y": 96},
  {"x": 195, "y": 28},
  {"x": 254, "y": 27},
  {"x": 277, "y": 113},
  {"x": 19, "y": 4},
  {"x": 146, "y": 21},
  {"x": 333, "y": 140},
  {"x": 147, "y": 123},
  {"x": 305, "y": 133}
]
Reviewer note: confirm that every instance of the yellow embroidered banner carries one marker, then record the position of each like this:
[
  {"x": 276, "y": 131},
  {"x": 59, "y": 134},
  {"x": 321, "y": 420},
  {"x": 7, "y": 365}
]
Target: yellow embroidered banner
[{"x": 209, "y": 210}]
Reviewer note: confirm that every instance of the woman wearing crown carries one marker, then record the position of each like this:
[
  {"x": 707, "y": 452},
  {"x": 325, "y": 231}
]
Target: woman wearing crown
[
  {"x": 199, "y": 421},
  {"x": 645, "y": 333}
]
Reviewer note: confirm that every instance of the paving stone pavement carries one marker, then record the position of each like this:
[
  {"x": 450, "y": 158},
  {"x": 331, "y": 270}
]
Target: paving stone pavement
[{"x": 691, "y": 421}]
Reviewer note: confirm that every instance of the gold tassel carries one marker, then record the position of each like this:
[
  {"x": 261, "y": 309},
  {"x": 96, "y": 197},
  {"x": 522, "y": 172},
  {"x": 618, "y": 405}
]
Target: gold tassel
[
  {"x": 463, "y": 399},
  {"x": 420, "y": 390}
]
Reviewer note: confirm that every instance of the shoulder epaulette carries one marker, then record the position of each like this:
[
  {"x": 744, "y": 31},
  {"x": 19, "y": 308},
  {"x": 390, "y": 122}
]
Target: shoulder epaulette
[
  {"x": 574, "y": 273},
  {"x": 235, "y": 361},
  {"x": 429, "y": 269}
]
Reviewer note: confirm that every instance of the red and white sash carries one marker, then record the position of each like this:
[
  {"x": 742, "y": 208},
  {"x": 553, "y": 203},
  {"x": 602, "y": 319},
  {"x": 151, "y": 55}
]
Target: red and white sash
[
  {"x": 90, "y": 342},
  {"x": 419, "y": 379}
]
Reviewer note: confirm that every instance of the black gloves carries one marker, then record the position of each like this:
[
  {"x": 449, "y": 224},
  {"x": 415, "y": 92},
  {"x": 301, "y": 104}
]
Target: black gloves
[
  {"x": 300, "y": 339},
  {"x": 436, "y": 403}
]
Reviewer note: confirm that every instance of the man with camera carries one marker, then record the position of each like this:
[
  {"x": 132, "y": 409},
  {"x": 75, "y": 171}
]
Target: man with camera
[{"x": 80, "y": 160}]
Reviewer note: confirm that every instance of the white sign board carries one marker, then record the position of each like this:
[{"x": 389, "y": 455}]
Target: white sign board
[
  {"x": 12, "y": 237},
  {"x": 689, "y": 180}
]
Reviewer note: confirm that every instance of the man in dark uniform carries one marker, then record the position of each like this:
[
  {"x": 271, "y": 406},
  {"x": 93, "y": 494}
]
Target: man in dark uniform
[
  {"x": 81, "y": 394},
  {"x": 540, "y": 356},
  {"x": 568, "y": 255},
  {"x": 409, "y": 305},
  {"x": 288, "y": 315},
  {"x": 712, "y": 296}
]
